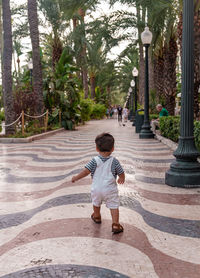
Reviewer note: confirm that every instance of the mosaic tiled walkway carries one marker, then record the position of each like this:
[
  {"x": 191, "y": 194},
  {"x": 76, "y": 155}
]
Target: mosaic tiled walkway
[{"x": 45, "y": 225}]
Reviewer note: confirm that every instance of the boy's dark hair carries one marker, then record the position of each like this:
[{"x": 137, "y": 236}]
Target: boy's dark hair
[{"x": 105, "y": 142}]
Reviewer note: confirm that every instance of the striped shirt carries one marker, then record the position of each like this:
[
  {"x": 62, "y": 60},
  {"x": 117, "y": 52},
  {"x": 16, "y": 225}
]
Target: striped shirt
[{"x": 116, "y": 167}]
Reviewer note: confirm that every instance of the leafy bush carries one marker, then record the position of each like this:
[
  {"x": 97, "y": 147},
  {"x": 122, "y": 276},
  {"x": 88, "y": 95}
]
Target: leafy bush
[
  {"x": 170, "y": 127},
  {"x": 86, "y": 109},
  {"x": 2, "y": 116},
  {"x": 98, "y": 111},
  {"x": 53, "y": 118},
  {"x": 25, "y": 99},
  {"x": 153, "y": 116},
  {"x": 61, "y": 92},
  {"x": 197, "y": 134}
]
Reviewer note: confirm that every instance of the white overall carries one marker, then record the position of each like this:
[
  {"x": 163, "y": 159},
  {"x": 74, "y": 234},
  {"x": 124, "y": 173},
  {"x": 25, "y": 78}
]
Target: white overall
[{"x": 104, "y": 186}]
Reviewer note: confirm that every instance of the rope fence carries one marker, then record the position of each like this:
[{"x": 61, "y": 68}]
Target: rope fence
[
  {"x": 23, "y": 115},
  {"x": 13, "y": 122}
]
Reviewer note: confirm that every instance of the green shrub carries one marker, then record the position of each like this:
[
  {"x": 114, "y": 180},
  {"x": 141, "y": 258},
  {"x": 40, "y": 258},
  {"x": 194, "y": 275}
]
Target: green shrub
[
  {"x": 153, "y": 116},
  {"x": 2, "y": 116},
  {"x": 197, "y": 134},
  {"x": 98, "y": 111},
  {"x": 86, "y": 109},
  {"x": 170, "y": 127}
]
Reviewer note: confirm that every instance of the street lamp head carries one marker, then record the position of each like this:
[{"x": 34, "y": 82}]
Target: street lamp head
[
  {"x": 135, "y": 72},
  {"x": 132, "y": 83},
  {"x": 30, "y": 64},
  {"x": 146, "y": 36},
  {"x": 130, "y": 90}
]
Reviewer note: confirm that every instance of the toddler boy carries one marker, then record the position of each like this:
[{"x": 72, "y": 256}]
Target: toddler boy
[{"x": 104, "y": 170}]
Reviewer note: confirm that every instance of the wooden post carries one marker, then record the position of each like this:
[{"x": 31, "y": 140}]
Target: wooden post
[
  {"x": 46, "y": 121},
  {"x": 23, "y": 123},
  {"x": 59, "y": 117}
]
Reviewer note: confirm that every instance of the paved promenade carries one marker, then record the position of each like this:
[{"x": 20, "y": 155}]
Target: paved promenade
[{"x": 45, "y": 225}]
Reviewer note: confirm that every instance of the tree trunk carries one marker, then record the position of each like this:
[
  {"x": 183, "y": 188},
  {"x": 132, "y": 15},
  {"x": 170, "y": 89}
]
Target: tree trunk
[
  {"x": 170, "y": 56},
  {"x": 158, "y": 75},
  {"x": 151, "y": 73},
  {"x": 76, "y": 45},
  {"x": 92, "y": 84},
  {"x": 37, "y": 66},
  {"x": 1, "y": 39},
  {"x": 85, "y": 82},
  {"x": 109, "y": 95},
  {"x": 7, "y": 67},
  {"x": 74, "y": 20},
  {"x": 57, "y": 49},
  {"x": 81, "y": 12}
]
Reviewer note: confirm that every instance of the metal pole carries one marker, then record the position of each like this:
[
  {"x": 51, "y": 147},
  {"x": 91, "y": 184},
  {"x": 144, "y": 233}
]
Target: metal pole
[
  {"x": 146, "y": 132},
  {"x": 135, "y": 101},
  {"x": 131, "y": 112},
  {"x": 185, "y": 171}
]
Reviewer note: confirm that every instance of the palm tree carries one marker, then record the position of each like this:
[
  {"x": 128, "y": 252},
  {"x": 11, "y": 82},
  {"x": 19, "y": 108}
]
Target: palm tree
[
  {"x": 128, "y": 59},
  {"x": 76, "y": 9},
  {"x": 37, "y": 67},
  {"x": 53, "y": 15},
  {"x": 7, "y": 66},
  {"x": 1, "y": 37},
  {"x": 169, "y": 72},
  {"x": 99, "y": 42},
  {"x": 156, "y": 14}
]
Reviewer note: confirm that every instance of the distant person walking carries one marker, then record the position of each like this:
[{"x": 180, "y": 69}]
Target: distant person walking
[
  {"x": 162, "y": 113},
  {"x": 124, "y": 115},
  {"x": 119, "y": 110}
]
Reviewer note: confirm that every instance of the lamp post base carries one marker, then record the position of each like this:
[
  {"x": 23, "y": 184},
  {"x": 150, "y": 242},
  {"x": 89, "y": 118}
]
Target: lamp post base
[
  {"x": 185, "y": 174},
  {"x": 146, "y": 132}
]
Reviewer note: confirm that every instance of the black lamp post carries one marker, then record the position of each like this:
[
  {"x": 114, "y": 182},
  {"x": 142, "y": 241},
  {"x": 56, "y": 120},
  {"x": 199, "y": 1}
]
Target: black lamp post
[
  {"x": 146, "y": 132},
  {"x": 132, "y": 83},
  {"x": 185, "y": 171},
  {"x": 127, "y": 102},
  {"x": 30, "y": 66},
  {"x": 130, "y": 101},
  {"x": 135, "y": 75}
]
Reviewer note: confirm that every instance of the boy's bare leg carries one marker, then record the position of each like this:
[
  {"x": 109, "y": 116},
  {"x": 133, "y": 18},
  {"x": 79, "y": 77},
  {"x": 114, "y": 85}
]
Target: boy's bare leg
[
  {"x": 116, "y": 227},
  {"x": 115, "y": 215},
  {"x": 97, "y": 211}
]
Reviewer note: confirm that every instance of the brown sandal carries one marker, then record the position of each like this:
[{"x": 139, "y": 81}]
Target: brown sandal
[
  {"x": 117, "y": 228},
  {"x": 97, "y": 220}
]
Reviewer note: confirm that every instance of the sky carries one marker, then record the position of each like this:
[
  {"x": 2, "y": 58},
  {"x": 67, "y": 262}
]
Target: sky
[{"x": 102, "y": 9}]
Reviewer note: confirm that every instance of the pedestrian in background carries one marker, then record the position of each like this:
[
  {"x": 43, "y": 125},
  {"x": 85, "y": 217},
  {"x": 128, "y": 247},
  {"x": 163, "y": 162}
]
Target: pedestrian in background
[
  {"x": 162, "y": 113},
  {"x": 119, "y": 110}
]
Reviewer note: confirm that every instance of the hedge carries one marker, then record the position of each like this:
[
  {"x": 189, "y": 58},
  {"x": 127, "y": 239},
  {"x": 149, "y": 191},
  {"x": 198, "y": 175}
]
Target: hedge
[
  {"x": 170, "y": 128},
  {"x": 98, "y": 111}
]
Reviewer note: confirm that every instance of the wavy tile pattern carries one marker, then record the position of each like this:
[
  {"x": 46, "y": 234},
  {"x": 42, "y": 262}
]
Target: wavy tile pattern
[
  {"x": 61, "y": 271},
  {"x": 45, "y": 225}
]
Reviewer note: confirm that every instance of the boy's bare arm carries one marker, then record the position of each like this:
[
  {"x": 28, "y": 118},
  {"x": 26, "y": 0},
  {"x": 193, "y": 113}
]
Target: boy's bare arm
[
  {"x": 121, "y": 178},
  {"x": 81, "y": 175}
]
